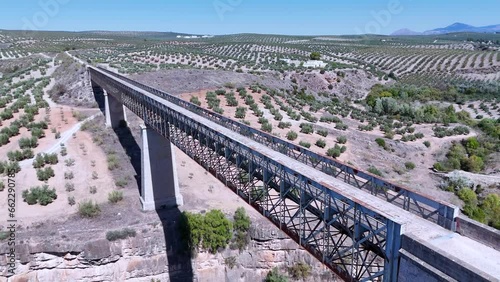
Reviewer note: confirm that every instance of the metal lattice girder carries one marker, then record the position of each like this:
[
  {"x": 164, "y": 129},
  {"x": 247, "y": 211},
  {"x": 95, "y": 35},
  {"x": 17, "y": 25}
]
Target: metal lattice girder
[
  {"x": 355, "y": 241},
  {"x": 433, "y": 210}
]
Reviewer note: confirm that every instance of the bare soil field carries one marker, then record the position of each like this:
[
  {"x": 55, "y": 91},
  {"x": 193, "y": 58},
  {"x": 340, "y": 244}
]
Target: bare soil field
[
  {"x": 355, "y": 85},
  {"x": 362, "y": 150}
]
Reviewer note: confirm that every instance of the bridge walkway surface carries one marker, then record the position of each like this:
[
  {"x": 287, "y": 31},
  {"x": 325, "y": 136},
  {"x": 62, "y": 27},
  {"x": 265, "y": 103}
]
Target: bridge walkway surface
[{"x": 411, "y": 231}]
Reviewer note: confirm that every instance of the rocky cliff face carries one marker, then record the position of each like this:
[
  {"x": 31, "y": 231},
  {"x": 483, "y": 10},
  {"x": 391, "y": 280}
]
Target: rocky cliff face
[{"x": 147, "y": 256}]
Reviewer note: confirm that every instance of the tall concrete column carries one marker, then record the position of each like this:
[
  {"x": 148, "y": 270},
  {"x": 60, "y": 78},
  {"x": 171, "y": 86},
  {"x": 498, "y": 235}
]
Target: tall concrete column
[
  {"x": 114, "y": 111},
  {"x": 125, "y": 115},
  {"x": 160, "y": 186},
  {"x": 107, "y": 113}
]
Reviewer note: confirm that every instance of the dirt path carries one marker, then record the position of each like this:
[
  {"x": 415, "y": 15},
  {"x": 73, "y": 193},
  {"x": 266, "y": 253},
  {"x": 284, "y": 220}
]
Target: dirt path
[
  {"x": 56, "y": 146},
  {"x": 75, "y": 58}
]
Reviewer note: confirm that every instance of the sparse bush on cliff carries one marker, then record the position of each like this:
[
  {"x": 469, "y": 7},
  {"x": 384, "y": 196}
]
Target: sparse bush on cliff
[
  {"x": 120, "y": 234},
  {"x": 300, "y": 270},
  {"x": 115, "y": 196},
  {"x": 88, "y": 209},
  {"x": 275, "y": 276},
  {"x": 241, "y": 226}
]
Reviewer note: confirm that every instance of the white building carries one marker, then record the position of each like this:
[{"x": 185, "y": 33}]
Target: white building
[
  {"x": 307, "y": 64},
  {"x": 315, "y": 64}
]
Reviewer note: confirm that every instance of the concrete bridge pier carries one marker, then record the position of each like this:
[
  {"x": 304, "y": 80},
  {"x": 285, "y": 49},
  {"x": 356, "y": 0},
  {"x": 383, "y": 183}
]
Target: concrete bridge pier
[
  {"x": 114, "y": 111},
  {"x": 160, "y": 186}
]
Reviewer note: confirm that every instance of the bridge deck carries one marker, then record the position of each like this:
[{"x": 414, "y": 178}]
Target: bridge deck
[{"x": 446, "y": 242}]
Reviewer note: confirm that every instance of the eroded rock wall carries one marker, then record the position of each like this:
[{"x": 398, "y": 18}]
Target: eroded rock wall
[{"x": 146, "y": 256}]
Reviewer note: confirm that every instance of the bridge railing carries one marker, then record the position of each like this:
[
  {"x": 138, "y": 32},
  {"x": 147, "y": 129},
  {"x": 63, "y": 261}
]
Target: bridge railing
[
  {"x": 439, "y": 212},
  {"x": 338, "y": 225}
]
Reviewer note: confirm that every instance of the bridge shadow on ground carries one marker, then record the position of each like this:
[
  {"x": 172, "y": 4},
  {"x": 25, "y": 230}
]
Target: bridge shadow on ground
[
  {"x": 125, "y": 137},
  {"x": 99, "y": 97},
  {"x": 179, "y": 260},
  {"x": 132, "y": 150}
]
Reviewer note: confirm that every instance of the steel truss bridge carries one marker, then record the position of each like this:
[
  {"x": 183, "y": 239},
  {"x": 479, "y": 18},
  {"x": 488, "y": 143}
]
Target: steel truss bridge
[{"x": 319, "y": 202}]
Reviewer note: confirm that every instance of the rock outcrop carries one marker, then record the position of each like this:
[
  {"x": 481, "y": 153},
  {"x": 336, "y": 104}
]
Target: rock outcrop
[{"x": 147, "y": 256}]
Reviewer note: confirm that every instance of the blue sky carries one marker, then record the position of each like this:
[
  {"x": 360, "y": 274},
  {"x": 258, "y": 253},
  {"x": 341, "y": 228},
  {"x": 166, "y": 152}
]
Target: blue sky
[{"x": 240, "y": 16}]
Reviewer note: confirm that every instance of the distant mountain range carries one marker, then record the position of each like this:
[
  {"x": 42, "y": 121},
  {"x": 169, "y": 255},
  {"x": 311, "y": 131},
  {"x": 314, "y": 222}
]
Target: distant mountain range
[{"x": 456, "y": 27}]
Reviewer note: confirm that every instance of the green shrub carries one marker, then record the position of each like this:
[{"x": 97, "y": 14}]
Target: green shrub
[
  {"x": 195, "y": 100},
  {"x": 491, "y": 207},
  {"x": 37, "y": 133},
  {"x": 291, "y": 135},
  {"x": 284, "y": 125},
  {"x": 27, "y": 154},
  {"x": 275, "y": 276},
  {"x": 300, "y": 270},
  {"x": 120, "y": 234},
  {"x": 113, "y": 162},
  {"x": 41, "y": 195},
  {"x": 427, "y": 144},
  {"x": 4, "y": 139},
  {"x": 474, "y": 164},
  {"x": 323, "y": 133},
  {"x": 71, "y": 201},
  {"x": 240, "y": 112},
  {"x": 266, "y": 127},
  {"x": 333, "y": 152},
  {"x": 15, "y": 155},
  {"x": 88, "y": 209},
  {"x": 218, "y": 110},
  {"x": 374, "y": 170},
  {"x": 25, "y": 143},
  {"x": 321, "y": 143},
  {"x": 14, "y": 130},
  {"x": 12, "y": 167},
  {"x": 439, "y": 167},
  {"x": 241, "y": 226},
  {"x": 241, "y": 220},
  {"x": 213, "y": 231},
  {"x": 306, "y": 128},
  {"x": 191, "y": 229},
  {"x": 343, "y": 149},
  {"x": 115, "y": 196},
  {"x": 468, "y": 196},
  {"x": 381, "y": 142},
  {"x": 39, "y": 161},
  {"x": 341, "y": 126},
  {"x": 409, "y": 165},
  {"x": 263, "y": 120},
  {"x": 342, "y": 139},
  {"x": 51, "y": 159},
  {"x": 45, "y": 174},
  {"x": 305, "y": 144},
  {"x": 389, "y": 135}
]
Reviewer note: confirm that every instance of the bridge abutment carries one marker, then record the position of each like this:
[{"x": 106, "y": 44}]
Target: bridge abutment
[
  {"x": 114, "y": 111},
  {"x": 160, "y": 186}
]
